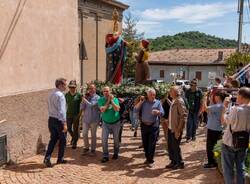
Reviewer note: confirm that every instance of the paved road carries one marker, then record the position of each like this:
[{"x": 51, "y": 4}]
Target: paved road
[{"x": 127, "y": 169}]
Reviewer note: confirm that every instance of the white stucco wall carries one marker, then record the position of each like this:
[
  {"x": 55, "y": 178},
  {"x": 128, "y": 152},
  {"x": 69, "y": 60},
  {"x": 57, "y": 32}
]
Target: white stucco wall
[
  {"x": 189, "y": 72},
  {"x": 39, "y": 43}
]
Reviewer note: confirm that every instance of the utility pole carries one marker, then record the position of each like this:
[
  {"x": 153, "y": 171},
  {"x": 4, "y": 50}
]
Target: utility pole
[
  {"x": 240, "y": 11},
  {"x": 81, "y": 57}
]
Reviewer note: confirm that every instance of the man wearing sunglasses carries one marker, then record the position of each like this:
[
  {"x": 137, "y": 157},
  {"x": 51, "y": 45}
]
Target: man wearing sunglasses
[{"x": 73, "y": 100}]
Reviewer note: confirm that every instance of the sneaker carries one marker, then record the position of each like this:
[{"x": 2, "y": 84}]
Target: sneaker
[
  {"x": 61, "y": 161},
  {"x": 194, "y": 138},
  {"x": 104, "y": 160},
  {"x": 115, "y": 157},
  {"x": 85, "y": 151},
  {"x": 47, "y": 163},
  {"x": 150, "y": 165},
  {"x": 208, "y": 166}
]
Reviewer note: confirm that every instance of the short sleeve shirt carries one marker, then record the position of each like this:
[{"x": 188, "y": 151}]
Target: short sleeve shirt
[
  {"x": 110, "y": 116},
  {"x": 214, "y": 117}
]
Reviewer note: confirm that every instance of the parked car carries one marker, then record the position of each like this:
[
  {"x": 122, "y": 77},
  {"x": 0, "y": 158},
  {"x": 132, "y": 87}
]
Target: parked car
[{"x": 183, "y": 83}]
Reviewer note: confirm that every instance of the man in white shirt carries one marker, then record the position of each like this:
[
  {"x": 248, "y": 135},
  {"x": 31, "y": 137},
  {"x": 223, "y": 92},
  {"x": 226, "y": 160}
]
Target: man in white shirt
[
  {"x": 57, "y": 122},
  {"x": 237, "y": 120}
]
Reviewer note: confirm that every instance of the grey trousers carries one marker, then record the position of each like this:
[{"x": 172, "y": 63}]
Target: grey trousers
[{"x": 85, "y": 131}]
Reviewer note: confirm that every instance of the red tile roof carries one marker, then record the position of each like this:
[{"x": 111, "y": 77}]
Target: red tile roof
[{"x": 190, "y": 57}]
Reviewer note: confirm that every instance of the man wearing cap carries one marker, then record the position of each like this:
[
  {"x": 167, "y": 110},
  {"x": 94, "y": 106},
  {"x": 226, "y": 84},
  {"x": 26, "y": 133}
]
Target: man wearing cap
[
  {"x": 194, "y": 101},
  {"x": 73, "y": 100},
  {"x": 142, "y": 67}
]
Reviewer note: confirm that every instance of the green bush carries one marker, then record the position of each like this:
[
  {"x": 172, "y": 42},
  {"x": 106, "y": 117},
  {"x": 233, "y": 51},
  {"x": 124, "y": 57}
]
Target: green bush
[{"x": 125, "y": 90}]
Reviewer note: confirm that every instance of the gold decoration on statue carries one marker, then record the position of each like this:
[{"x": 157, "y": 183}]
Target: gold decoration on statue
[{"x": 115, "y": 18}]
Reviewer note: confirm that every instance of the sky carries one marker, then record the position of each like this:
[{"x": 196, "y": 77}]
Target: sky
[{"x": 168, "y": 17}]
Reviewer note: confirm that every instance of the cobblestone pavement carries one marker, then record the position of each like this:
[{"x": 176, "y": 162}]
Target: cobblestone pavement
[{"x": 128, "y": 169}]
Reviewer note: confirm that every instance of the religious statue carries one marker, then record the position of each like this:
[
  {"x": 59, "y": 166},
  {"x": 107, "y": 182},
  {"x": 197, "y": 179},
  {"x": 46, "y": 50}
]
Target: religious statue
[
  {"x": 115, "y": 18},
  {"x": 142, "y": 74},
  {"x": 116, "y": 53}
]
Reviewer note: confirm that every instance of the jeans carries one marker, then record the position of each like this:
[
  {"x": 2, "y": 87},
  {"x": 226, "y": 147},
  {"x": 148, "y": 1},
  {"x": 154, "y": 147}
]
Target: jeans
[
  {"x": 192, "y": 125},
  {"x": 73, "y": 129},
  {"x": 149, "y": 135},
  {"x": 174, "y": 149},
  {"x": 85, "y": 131},
  {"x": 106, "y": 130},
  {"x": 231, "y": 157},
  {"x": 212, "y": 138},
  {"x": 56, "y": 133},
  {"x": 134, "y": 119}
]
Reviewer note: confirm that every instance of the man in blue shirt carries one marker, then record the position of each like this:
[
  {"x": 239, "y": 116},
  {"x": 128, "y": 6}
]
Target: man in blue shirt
[
  {"x": 214, "y": 126},
  {"x": 57, "y": 122},
  {"x": 150, "y": 110},
  {"x": 90, "y": 118}
]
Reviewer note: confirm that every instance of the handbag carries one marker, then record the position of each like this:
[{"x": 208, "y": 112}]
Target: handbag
[{"x": 240, "y": 139}]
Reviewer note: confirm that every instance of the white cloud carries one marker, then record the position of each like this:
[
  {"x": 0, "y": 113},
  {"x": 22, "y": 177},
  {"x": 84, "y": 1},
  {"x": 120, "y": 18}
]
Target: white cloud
[
  {"x": 151, "y": 28},
  {"x": 190, "y": 14},
  {"x": 148, "y": 23}
]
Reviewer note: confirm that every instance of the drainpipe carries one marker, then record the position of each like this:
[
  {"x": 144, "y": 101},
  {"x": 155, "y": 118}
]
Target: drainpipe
[
  {"x": 97, "y": 43},
  {"x": 81, "y": 50}
]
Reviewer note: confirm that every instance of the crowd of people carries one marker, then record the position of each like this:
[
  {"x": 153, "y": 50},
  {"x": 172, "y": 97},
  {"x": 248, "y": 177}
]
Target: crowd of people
[{"x": 176, "y": 112}]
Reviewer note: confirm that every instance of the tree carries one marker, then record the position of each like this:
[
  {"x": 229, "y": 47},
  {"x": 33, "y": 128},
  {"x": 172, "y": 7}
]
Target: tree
[
  {"x": 131, "y": 35},
  {"x": 233, "y": 62}
]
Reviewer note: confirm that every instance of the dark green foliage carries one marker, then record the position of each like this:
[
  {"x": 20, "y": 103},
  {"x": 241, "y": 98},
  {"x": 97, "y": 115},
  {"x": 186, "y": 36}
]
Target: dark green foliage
[
  {"x": 129, "y": 90},
  {"x": 233, "y": 62},
  {"x": 193, "y": 39}
]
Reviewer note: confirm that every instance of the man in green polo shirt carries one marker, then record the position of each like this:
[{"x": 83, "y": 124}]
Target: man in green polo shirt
[
  {"x": 109, "y": 107},
  {"x": 73, "y": 100}
]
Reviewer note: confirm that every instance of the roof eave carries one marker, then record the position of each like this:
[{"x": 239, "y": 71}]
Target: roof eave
[
  {"x": 117, "y": 4},
  {"x": 186, "y": 64}
]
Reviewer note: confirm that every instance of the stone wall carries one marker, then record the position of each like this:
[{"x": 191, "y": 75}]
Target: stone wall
[{"x": 26, "y": 126}]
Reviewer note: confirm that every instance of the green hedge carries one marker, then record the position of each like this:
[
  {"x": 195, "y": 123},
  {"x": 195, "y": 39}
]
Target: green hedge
[{"x": 129, "y": 90}]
